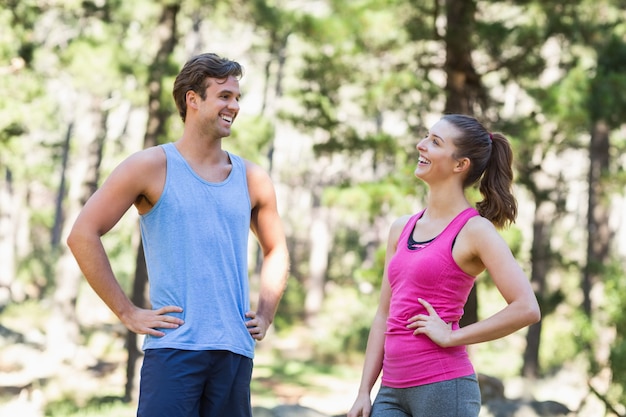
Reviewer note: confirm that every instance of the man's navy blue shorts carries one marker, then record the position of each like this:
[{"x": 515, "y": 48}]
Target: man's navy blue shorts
[{"x": 186, "y": 383}]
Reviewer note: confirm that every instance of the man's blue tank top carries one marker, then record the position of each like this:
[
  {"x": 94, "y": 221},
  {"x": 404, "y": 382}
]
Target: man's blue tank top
[{"x": 196, "y": 244}]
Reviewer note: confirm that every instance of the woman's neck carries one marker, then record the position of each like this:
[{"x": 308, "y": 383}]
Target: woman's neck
[{"x": 444, "y": 203}]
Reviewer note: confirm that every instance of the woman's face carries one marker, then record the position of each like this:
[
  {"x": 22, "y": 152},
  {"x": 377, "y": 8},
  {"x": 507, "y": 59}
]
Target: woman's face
[{"x": 436, "y": 152}]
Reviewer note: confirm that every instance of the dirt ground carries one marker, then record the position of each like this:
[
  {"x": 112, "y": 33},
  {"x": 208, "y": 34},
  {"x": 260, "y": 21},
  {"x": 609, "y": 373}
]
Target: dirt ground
[{"x": 31, "y": 377}]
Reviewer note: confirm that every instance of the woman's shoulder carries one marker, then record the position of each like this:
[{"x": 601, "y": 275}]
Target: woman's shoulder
[
  {"x": 479, "y": 224},
  {"x": 480, "y": 230},
  {"x": 400, "y": 223},
  {"x": 398, "y": 226}
]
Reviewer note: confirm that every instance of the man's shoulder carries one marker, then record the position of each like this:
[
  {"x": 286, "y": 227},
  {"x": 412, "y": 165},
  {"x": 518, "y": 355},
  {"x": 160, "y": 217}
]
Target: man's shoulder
[
  {"x": 253, "y": 169},
  {"x": 153, "y": 156}
]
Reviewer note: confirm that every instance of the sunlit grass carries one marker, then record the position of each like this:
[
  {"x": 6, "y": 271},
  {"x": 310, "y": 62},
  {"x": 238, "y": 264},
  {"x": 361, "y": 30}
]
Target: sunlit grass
[
  {"x": 96, "y": 407},
  {"x": 33, "y": 312},
  {"x": 295, "y": 365}
]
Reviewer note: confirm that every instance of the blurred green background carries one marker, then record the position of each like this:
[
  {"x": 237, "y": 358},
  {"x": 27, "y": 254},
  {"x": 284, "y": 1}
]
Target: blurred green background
[{"x": 336, "y": 95}]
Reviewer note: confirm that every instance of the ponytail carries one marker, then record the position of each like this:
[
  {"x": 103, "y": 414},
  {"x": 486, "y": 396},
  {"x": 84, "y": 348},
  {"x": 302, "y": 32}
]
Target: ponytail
[
  {"x": 491, "y": 164},
  {"x": 499, "y": 204}
]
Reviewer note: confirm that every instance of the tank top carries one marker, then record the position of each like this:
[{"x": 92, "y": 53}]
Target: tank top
[
  {"x": 432, "y": 274},
  {"x": 196, "y": 243}
]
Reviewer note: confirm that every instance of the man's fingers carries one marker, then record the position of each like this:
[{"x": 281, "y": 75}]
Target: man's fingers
[
  {"x": 170, "y": 321},
  {"x": 169, "y": 309},
  {"x": 155, "y": 333}
]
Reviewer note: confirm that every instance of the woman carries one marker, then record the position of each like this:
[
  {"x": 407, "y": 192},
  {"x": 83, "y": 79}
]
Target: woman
[{"x": 433, "y": 258}]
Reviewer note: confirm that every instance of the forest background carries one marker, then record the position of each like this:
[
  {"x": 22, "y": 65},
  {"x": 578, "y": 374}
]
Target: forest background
[{"x": 336, "y": 95}]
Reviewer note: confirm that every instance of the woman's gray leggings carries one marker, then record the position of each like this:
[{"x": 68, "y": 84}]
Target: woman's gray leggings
[{"x": 458, "y": 397}]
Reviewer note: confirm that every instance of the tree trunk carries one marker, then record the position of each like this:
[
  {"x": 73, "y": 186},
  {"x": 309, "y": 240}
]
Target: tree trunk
[
  {"x": 320, "y": 241},
  {"x": 8, "y": 224},
  {"x": 463, "y": 87},
  {"x": 140, "y": 297},
  {"x": 91, "y": 131},
  {"x": 269, "y": 105},
  {"x": 55, "y": 238},
  {"x": 599, "y": 234},
  {"x": 540, "y": 260},
  {"x": 157, "y": 117},
  {"x": 464, "y": 92}
]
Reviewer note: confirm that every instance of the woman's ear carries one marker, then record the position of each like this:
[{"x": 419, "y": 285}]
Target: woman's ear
[{"x": 462, "y": 165}]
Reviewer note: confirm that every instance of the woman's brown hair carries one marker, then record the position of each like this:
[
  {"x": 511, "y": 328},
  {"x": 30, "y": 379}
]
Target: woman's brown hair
[{"x": 491, "y": 165}]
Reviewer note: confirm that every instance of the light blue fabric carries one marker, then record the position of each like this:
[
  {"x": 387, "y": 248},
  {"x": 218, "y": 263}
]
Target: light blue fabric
[{"x": 196, "y": 243}]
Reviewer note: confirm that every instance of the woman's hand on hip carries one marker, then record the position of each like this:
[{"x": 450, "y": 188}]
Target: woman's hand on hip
[{"x": 431, "y": 325}]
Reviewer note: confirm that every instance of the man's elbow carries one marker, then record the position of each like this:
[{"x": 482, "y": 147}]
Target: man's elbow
[
  {"x": 76, "y": 238},
  {"x": 71, "y": 240}
]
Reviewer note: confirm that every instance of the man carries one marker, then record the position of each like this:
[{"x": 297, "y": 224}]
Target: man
[{"x": 197, "y": 204}]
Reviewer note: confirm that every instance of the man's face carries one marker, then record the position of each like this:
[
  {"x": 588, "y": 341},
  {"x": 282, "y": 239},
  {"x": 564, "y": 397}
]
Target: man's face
[{"x": 217, "y": 112}]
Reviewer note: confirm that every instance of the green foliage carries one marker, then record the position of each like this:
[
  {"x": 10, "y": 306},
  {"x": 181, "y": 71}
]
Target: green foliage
[
  {"x": 92, "y": 65},
  {"x": 615, "y": 290},
  {"x": 21, "y": 17},
  {"x": 364, "y": 77},
  {"x": 355, "y": 262},
  {"x": 371, "y": 198},
  {"x": 322, "y": 78},
  {"x": 252, "y": 138},
  {"x": 567, "y": 100},
  {"x": 606, "y": 101},
  {"x": 513, "y": 37},
  {"x": 366, "y": 277},
  {"x": 290, "y": 310},
  {"x": 563, "y": 348},
  {"x": 359, "y": 49},
  {"x": 338, "y": 336},
  {"x": 33, "y": 313},
  {"x": 515, "y": 239},
  {"x": 35, "y": 271},
  {"x": 122, "y": 253},
  {"x": 592, "y": 33},
  {"x": 25, "y": 111},
  {"x": 618, "y": 368}
]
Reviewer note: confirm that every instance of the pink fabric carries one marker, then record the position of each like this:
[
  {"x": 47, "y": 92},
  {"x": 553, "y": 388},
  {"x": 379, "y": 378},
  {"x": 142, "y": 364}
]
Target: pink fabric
[{"x": 431, "y": 274}]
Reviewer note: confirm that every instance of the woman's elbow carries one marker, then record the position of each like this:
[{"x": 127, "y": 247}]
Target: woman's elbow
[{"x": 532, "y": 313}]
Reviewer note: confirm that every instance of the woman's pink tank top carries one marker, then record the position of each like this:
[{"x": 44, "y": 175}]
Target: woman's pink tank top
[{"x": 432, "y": 274}]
